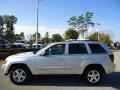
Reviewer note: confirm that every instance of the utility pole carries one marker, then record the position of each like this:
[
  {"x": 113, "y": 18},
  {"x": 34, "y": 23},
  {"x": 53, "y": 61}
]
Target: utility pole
[
  {"x": 37, "y": 23},
  {"x": 98, "y": 31}
]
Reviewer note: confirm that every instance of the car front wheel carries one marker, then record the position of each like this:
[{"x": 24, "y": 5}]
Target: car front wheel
[{"x": 19, "y": 75}]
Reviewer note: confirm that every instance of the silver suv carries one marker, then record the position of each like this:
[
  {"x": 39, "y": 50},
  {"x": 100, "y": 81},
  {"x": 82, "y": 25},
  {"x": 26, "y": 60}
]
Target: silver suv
[{"x": 91, "y": 59}]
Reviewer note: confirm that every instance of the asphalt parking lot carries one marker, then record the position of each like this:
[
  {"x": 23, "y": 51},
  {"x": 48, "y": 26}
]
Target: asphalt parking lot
[{"x": 71, "y": 82}]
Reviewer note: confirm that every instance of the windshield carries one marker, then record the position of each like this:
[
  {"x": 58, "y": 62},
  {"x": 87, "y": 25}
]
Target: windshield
[
  {"x": 2, "y": 41},
  {"x": 20, "y": 41},
  {"x": 43, "y": 49}
]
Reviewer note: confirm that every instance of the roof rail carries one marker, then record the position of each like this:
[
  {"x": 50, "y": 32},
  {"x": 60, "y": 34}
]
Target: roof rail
[{"x": 82, "y": 40}]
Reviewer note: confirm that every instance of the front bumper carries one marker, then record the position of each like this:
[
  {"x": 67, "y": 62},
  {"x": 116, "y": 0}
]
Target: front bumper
[{"x": 4, "y": 69}]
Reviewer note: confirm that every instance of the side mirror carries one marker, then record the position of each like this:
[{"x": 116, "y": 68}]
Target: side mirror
[
  {"x": 45, "y": 53},
  {"x": 34, "y": 52}
]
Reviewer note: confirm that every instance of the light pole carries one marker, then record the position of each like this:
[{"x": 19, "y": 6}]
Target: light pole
[
  {"x": 98, "y": 31},
  {"x": 37, "y": 23}
]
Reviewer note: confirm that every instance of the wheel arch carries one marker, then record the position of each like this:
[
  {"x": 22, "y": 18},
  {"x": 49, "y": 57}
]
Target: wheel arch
[
  {"x": 98, "y": 66},
  {"x": 19, "y": 65}
]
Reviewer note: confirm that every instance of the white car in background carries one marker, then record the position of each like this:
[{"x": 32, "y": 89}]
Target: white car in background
[
  {"x": 21, "y": 43},
  {"x": 39, "y": 46},
  {"x": 91, "y": 59}
]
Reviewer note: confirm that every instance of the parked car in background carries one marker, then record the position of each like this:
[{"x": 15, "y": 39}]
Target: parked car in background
[
  {"x": 5, "y": 44},
  {"x": 117, "y": 45},
  {"x": 91, "y": 59},
  {"x": 39, "y": 46},
  {"x": 27, "y": 46},
  {"x": 20, "y": 43}
]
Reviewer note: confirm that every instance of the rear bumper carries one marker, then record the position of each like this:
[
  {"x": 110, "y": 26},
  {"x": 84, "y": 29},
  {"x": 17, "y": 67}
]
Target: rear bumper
[{"x": 109, "y": 68}]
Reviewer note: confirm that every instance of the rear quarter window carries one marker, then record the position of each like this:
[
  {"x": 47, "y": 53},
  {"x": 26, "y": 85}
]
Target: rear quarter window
[
  {"x": 77, "y": 49},
  {"x": 96, "y": 48}
]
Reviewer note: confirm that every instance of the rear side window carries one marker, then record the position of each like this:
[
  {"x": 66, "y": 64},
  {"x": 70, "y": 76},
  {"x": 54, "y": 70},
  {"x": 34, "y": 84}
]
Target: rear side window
[
  {"x": 97, "y": 48},
  {"x": 77, "y": 49}
]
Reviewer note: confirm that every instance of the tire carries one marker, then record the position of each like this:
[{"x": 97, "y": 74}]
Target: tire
[
  {"x": 93, "y": 76},
  {"x": 19, "y": 75}
]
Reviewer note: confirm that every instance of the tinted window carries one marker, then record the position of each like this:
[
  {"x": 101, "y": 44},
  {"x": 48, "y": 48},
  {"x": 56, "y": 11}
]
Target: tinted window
[
  {"x": 37, "y": 46},
  {"x": 17, "y": 41},
  {"x": 22, "y": 41},
  {"x": 2, "y": 41},
  {"x": 77, "y": 49},
  {"x": 58, "y": 49},
  {"x": 96, "y": 48},
  {"x": 6, "y": 41}
]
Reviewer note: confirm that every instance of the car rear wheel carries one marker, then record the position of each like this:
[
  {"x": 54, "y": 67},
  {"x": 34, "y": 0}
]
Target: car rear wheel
[
  {"x": 93, "y": 76},
  {"x": 19, "y": 75}
]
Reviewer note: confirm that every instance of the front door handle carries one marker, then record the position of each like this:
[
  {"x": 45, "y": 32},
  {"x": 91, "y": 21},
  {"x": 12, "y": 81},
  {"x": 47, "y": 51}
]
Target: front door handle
[
  {"x": 84, "y": 57},
  {"x": 61, "y": 59}
]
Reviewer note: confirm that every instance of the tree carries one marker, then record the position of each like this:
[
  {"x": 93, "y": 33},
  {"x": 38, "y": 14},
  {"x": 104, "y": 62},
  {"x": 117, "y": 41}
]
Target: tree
[
  {"x": 32, "y": 38},
  {"x": 82, "y": 33},
  {"x": 1, "y": 26},
  {"x": 1, "y": 21},
  {"x": 46, "y": 39},
  {"x": 73, "y": 22},
  {"x": 9, "y": 22},
  {"x": 38, "y": 36},
  {"x": 81, "y": 23},
  {"x": 86, "y": 23},
  {"x": 87, "y": 20},
  {"x": 71, "y": 34},
  {"x": 17, "y": 37},
  {"x": 93, "y": 36},
  {"x": 22, "y": 36},
  {"x": 56, "y": 38},
  {"x": 104, "y": 37}
]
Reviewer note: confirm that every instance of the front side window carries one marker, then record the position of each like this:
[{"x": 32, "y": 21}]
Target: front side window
[
  {"x": 58, "y": 49},
  {"x": 77, "y": 49},
  {"x": 96, "y": 48}
]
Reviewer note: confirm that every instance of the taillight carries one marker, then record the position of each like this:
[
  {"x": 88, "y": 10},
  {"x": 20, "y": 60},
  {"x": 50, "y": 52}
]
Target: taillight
[{"x": 112, "y": 58}]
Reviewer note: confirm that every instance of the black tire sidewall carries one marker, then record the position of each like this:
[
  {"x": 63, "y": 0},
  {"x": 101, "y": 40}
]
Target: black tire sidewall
[
  {"x": 25, "y": 70},
  {"x": 86, "y": 74}
]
